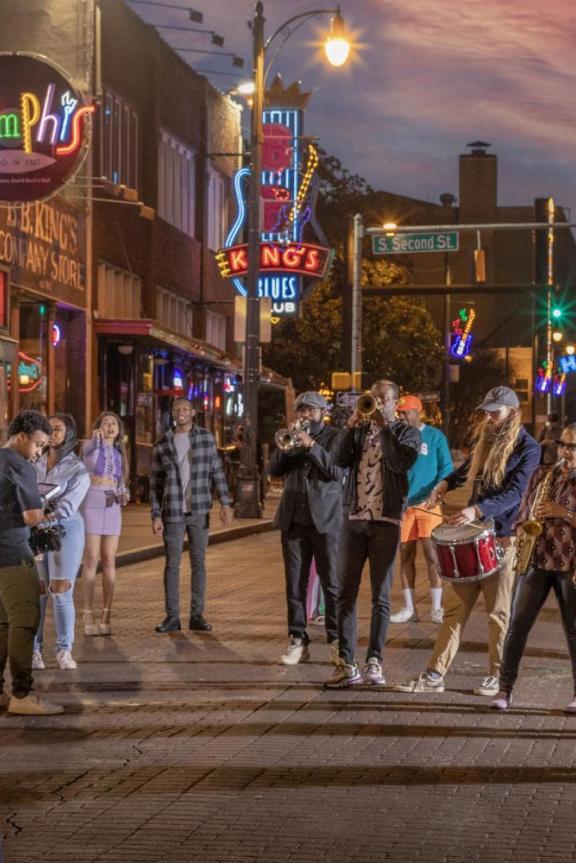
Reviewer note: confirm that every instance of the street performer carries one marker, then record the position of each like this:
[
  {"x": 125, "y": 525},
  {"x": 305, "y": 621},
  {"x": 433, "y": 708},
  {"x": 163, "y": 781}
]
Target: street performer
[
  {"x": 309, "y": 517},
  {"x": 503, "y": 459},
  {"x": 551, "y": 500},
  {"x": 379, "y": 450}
]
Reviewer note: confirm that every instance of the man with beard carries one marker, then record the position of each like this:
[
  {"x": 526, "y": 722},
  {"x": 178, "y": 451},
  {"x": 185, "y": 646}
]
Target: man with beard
[
  {"x": 309, "y": 517},
  {"x": 503, "y": 459}
]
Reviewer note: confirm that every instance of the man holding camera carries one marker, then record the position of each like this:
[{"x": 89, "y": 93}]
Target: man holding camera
[{"x": 20, "y": 509}]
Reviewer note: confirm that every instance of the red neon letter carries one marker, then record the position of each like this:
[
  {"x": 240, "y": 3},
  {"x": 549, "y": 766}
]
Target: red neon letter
[
  {"x": 238, "y": 260},
  {"x": 270, "y": 256},
  {"x": 75, "y": 142}
]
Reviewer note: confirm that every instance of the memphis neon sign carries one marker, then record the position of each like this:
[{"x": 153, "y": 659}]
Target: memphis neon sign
[
  {"x": 42, "y": 128},
  {"x": 305, "y": 259}
]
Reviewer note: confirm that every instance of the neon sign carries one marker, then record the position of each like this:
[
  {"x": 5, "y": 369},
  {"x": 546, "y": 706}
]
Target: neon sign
[
  {"x": 43, "y": 124},
  {"x": 461, "y": 333},
  {"x": 55, "y": 335},
  {"x": 29, "y": 373},
  {"x": 288, "y": 193},
  {"x": 567, "y": 363}
]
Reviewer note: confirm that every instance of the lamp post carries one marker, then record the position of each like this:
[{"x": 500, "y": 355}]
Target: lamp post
[{"x": 337, "y": 48}]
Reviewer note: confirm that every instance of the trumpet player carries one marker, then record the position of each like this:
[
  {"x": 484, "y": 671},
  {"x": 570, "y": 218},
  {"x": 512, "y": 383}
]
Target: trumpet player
[
  {"x": 309, "y": 517},
  {"x": 378, "y": 449},
  {"x": 552, "y": 566}
]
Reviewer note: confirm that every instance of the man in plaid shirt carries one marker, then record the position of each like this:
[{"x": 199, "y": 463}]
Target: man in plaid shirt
[{"x": 185, "y": 466}]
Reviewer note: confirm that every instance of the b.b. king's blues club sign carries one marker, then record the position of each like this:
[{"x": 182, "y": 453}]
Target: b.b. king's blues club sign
[{"x": 293, "y": 251}]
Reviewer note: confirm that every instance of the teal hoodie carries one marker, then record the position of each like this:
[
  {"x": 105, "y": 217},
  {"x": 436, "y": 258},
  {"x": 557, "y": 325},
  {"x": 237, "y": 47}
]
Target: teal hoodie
[{"x": 433, "y": 464}]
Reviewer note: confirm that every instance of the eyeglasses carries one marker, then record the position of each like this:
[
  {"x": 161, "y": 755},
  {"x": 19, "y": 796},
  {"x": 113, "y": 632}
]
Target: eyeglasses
[{"x": 564, "y": 445}]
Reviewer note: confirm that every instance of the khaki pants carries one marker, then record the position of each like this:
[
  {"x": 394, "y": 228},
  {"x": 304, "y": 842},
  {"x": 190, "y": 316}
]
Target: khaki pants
[{"x": 460, "y": 599}]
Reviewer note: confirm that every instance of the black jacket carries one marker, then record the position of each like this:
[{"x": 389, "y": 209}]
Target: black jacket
[
  {"x": 400, "y": 447},
  {"x": 322, "y": 480}
]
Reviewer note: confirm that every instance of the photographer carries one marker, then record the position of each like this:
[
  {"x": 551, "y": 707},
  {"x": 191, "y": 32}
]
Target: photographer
[
  {"x": 20, "y": 508},
  {"x": 64, "y": 540}
]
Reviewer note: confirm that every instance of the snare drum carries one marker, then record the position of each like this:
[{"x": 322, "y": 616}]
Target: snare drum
[{"x": 466, "y": 553}]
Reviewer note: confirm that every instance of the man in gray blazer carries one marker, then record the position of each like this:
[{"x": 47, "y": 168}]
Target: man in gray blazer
[{"x": 309, "y": 517}]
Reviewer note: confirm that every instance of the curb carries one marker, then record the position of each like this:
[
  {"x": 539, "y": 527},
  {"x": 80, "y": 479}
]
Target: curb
[{"x": 148, "y": 552}]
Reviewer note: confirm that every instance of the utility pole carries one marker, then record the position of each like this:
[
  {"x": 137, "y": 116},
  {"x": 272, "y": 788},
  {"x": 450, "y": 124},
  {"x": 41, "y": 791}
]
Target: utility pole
[{"x": 356, "y": 362}]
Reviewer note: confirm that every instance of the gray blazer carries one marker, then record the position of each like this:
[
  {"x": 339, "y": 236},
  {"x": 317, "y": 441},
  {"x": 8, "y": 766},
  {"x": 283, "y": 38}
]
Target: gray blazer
[{"x": 322, "y": 479}]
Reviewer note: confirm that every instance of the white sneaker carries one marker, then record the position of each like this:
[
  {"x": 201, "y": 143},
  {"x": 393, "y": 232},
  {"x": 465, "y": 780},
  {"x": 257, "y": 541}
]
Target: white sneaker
[
  {"x": 334, "y": 655},
  {"x": 437, "y": 615},
  {"x": 373, "y": 673},
  {"x": 33, "y": 705},
  {"x": 345, "y": 675},
  {"x": 37, "y": 661},
  {"x": 65, "y": 660},
  {"x": 297, "y": 652},
  {"x": 404, "y": 615},
  {"x": 423, "y": 683},
  {"x": 490, "y": 686}
]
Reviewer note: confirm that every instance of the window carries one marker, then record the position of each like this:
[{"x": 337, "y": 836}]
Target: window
[
  {"x": 174, "y": 312},
  {"x": 216, "y": 330},
  {"x": 119, "y": 145},
  {"x": 119, "y": 293},
  {"x": 176, "y": 184},
  {"x": 217, "y": 210}
]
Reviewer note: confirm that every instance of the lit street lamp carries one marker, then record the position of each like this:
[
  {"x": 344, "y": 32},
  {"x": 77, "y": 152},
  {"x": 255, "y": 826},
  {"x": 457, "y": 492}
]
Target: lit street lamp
[{"x": 337, "y": 48}]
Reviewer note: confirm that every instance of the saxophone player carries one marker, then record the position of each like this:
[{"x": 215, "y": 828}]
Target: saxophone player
[{"x": 552, "y": 565}]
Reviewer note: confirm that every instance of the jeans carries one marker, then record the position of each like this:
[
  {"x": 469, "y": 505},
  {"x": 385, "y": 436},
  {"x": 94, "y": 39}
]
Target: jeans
[
  {"x": 299, "y": 545},
  {"x": 460, "y": 599},
  {"x": 57, "y": 566},
  {"x": 530, "y": 595},
  {"x": 196, "y": 527},
  {"x": 19, "y": 616},
  {"x": 377, "y": 542}
]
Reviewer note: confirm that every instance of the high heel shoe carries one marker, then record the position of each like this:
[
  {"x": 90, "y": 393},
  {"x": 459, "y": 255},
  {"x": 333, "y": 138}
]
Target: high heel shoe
[
  {"x": 105, "y": 627},
  {"x": 90, "y": 628}
]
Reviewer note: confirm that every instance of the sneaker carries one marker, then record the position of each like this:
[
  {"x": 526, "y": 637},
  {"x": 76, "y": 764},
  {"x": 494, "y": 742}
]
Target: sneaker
[
  {"x": 502, "y": 701},
  {"x": 335, "y": 655},
  {"x": 571, "y": 708},
  {"x": 423, "y": 683},
  {"x": 489, "y": 686},
  {"x": 373, "y": 673},
  {"x": 65, "y": 660},
  {"x": 37, "y": 661},
  {"x": 296, "y": 652},
  {"x": 4, "y": 701},
  {"x": 404, "y": 615},
  {"x": 437, "y": 615},
  {"x": 33, "y": 705},
  {"x": 347, "y": 674}
]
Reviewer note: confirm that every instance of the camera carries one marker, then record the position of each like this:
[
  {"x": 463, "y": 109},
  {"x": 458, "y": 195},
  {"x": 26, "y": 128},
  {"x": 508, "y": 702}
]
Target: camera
[{"x": 43, "y": 539}]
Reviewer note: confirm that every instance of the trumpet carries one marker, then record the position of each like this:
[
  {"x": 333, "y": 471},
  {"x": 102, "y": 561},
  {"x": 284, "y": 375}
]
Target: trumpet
[
  {"x": 287, "y": 439},
  {"x": 367, "y": 404}
]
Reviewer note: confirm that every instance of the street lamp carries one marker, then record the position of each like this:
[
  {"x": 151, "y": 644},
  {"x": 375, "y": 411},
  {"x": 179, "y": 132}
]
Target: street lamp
[{"x": 248, "y": 496}]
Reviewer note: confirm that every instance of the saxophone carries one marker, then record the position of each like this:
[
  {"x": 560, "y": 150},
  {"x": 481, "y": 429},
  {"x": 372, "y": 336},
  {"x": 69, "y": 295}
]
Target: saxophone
[{"x": 532, "y": 528}]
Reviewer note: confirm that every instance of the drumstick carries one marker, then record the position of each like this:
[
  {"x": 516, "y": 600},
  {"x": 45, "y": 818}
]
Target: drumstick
[{"x": 477, "y": 524}]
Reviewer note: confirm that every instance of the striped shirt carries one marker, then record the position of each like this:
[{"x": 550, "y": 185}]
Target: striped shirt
[{"x": 166, "y": 496}]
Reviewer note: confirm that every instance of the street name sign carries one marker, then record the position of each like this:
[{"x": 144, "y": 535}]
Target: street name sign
[{"x": 408, "y": 244}]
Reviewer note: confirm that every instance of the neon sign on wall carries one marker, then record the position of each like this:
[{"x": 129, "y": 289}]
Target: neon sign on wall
[
  {"x": 42, "y": 128},
  {"x": 29, "y": 373},
  {"x": 462, "y": 333}
]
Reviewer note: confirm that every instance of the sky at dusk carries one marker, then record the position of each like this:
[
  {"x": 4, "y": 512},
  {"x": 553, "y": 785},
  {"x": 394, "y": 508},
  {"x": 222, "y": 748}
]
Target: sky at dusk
[{"x": 426, "y": 78}]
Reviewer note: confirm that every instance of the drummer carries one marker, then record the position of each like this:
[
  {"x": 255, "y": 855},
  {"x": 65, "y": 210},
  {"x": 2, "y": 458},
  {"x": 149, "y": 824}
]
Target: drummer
[{"x": 501, "y": 462}]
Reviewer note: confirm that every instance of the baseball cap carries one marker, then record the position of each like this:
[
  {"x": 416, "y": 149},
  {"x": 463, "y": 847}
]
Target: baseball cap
[
  {"x": 311, "y": 399},
  {"x": 410, "y": 403},
  {"x": 499, "y": 397}
]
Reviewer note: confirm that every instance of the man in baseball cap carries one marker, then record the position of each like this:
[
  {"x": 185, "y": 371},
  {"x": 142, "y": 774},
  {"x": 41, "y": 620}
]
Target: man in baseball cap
[
  {"x": 433, "y": 464},
  {"x": 499, "y": 397},
  {"x": 310, "y": 518}
]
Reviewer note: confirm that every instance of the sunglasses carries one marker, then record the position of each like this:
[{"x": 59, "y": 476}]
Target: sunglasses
[{"x": 564, "y": 445}]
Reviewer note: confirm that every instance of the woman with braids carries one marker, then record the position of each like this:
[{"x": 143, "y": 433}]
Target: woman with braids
[{"x": 503, "y": 459}]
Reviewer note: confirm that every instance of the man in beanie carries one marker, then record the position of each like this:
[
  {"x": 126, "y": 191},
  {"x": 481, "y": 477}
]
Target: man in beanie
[
  {"x": 434, "y": 463},
  {"x": 309, "y": 517}
]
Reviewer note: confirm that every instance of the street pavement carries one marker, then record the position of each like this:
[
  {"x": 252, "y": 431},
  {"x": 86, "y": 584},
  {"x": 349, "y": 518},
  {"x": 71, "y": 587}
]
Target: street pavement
[{"x": 201, "y": 747}]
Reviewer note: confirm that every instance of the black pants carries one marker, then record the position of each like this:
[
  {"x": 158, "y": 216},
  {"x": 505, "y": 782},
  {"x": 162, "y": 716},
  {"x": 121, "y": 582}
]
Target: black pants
[
  {"x": 299, "y": 545},
  {"x": 377, "y": 542},
  {"x": 529, "y": 597}
]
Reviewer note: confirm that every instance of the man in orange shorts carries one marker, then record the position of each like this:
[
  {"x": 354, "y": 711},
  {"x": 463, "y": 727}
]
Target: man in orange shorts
[{"x": 434, "y": 462}]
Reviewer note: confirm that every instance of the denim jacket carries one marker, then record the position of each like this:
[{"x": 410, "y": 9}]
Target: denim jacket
[{"x": 74, "y": 481}]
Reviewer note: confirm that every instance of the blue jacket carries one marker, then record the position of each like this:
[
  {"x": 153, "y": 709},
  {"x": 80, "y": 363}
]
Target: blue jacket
[{"x": 502, "y": 503}]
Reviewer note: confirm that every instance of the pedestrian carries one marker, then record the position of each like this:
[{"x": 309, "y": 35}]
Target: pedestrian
[
  {"x": 105, "y": 458},
  {"x": 185, "y": 467},
  {"x": 61, "y": 467},
  {"x": 548, "y": 438},
  {"x": 433, "y": 464},
  {"x": 378, "y": 449},
  {"x": 309, "y": 517},
  {"x": 550, "y": 500},
  {"x": 502, "y": 461},
  {"x": 21, "y": 507}
]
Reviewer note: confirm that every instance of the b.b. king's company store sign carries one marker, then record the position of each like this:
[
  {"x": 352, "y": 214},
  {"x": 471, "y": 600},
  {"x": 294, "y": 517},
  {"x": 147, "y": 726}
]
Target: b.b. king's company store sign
[{"x": 43, "y": 128}]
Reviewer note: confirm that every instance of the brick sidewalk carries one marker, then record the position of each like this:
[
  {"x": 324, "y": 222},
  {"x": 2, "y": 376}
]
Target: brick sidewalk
[{"x": 201, "y": 747}]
